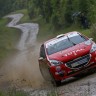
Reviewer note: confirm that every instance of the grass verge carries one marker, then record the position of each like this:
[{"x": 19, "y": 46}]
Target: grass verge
[
  {"x": 13, "y": 93},
  {"x": 8, "y": 38}
]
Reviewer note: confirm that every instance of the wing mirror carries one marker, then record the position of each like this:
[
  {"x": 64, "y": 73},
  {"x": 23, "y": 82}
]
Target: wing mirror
[
  {"x": 91, "y": 39},
  {"x": 41, "y": 58}
]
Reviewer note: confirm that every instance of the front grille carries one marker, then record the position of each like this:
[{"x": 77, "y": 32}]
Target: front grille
[{"x": 79, "y": 62}]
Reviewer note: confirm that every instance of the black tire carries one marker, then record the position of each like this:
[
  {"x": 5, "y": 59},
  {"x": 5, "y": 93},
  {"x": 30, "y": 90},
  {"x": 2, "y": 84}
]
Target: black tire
[
  {"x": 45, "y": 72},
  {"x": 42, "y": 70},
  {"x": 47, "y": 75},
  {"x": 55, "y": 83},
  {"x": 78, "y": 76}
]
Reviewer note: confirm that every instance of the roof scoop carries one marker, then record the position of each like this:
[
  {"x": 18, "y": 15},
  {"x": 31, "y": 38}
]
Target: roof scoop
[{"x": 59, "y": 36}]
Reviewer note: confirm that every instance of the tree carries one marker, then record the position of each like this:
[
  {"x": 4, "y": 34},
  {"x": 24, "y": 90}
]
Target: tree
[
  {"x": 7, "y": 6},
  {"x": 68, "y": 12},
  {"x": 31, "y": 9},
  {"x": 92, "y": 11},
  {"x": 59, "y": 12},
  {"x": 47, "y": 9}
]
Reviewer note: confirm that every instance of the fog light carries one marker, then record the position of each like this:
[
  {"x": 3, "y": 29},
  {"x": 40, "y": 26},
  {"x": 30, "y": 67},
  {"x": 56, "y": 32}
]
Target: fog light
[
  {"x": 58, "y": 68},
  {"x": 61, "y": 73}
]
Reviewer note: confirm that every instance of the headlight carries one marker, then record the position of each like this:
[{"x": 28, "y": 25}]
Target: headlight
[
  {"x": 55, "y": 62},
  {"x": 93, "y": 48}
]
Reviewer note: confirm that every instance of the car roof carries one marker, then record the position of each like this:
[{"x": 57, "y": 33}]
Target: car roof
[{"x": 71, "y": 34}]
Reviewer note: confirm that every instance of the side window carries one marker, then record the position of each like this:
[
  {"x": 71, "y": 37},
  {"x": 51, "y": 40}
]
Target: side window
[{"x": 42, "y": 52}]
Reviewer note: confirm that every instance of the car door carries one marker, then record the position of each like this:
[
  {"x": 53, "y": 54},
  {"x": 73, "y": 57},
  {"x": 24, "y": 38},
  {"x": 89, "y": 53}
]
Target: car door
[{"x": 44, "y": 68}]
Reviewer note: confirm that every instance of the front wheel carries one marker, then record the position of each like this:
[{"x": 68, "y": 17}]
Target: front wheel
[
  {"x": 56, "y": 83},
  {"x": 45, "y": 71}
]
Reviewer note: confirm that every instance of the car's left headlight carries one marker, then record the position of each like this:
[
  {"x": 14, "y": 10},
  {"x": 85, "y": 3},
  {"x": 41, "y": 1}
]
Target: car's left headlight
[
  {"x": 93, "y": 48},
  {"x": 55, "y": 62}
]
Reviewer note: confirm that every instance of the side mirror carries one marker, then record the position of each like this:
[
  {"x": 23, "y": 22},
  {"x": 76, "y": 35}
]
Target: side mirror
[
  {"x": 41, "y": 58},
  {"x": 91, "y": 39}
]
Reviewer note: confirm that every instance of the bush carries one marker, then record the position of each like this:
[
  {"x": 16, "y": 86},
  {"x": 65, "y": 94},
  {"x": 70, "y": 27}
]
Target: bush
[{"x": 93, "y": 32}]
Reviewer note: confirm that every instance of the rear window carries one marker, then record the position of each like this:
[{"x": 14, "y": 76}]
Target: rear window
[{"x": 65, "y": 43}]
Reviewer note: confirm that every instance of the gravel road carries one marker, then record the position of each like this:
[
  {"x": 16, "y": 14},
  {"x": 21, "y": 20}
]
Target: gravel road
[{"x": 22, "y": 70}]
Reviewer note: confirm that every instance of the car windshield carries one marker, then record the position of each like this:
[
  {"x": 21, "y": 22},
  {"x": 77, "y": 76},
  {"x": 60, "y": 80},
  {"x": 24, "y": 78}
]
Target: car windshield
[{"x": 65, "y": 43}]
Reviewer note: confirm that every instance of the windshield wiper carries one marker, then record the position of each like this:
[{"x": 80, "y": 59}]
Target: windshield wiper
[
  {"x": 82, "y": 37},
  {"x": 71, "y": 41}
]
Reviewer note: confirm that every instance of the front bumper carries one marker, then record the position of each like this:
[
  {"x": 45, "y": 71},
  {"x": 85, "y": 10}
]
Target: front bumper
[
  {"x": 62, "y": 76},
  {"x": 67, "y": 72}
]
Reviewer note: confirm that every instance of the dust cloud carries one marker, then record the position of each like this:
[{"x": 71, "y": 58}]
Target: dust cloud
[{"x": 22, "y": 69}]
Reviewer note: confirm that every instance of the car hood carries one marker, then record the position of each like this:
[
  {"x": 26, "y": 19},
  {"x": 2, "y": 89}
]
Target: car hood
[{"x": 71, "y": 53}]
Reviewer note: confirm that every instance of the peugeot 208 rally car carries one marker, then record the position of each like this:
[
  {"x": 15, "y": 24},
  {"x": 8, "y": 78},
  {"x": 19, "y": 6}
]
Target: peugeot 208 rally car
[{"x": 66, "y": 55}]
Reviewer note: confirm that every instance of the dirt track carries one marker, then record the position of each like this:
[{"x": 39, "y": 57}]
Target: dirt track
[{"x": 22, "y": 69}]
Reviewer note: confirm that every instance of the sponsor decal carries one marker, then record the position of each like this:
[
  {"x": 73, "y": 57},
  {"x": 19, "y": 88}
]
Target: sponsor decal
[{"x": 73, "y": 52}]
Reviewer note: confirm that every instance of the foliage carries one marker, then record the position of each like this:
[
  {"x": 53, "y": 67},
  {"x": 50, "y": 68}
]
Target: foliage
[
  {"x": 31, "y": 10},
  {"x": 7, "y": 6},
  {"x": 93, "y": 32},
  {"x": 92, "y": 12},
  {"x": 68, "y": 12},
  {"x": 59, "y": 12}
]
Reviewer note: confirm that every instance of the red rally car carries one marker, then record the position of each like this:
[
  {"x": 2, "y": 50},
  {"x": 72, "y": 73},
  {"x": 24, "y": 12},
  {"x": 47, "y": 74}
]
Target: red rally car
[{"x": 66, "y": 55}]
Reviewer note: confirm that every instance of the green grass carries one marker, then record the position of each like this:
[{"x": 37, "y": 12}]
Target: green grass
[
  {"x": 53, "y": 93},
  {"x": 8, "y": 39},
  {"x": 25, "y": 17},
  {"x": 13, "y": 93}
]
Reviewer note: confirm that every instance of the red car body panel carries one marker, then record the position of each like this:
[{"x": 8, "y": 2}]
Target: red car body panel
[{"x": 70, "y": 55}]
